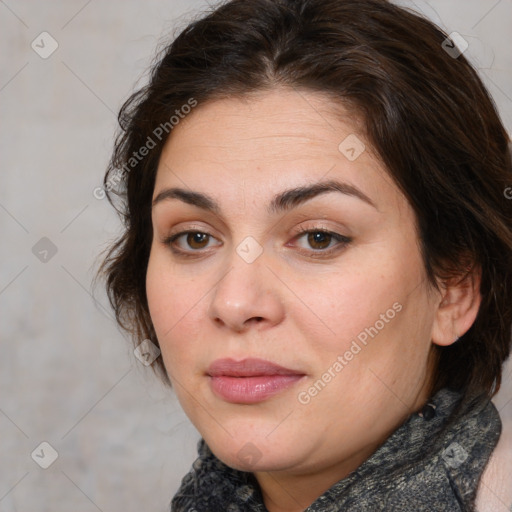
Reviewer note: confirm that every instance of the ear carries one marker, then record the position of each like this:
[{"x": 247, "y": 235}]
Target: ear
[{"x": 458, "y": 308}]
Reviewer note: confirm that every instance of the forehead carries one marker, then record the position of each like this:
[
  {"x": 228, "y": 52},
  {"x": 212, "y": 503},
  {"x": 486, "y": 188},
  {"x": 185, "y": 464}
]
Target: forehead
[
  {"x": 282, "y": 138},
  {"x": 273, "y": 121}
]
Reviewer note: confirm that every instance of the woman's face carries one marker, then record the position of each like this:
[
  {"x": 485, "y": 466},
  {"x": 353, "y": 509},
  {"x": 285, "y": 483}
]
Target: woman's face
[{"x": 348, "y": 312}]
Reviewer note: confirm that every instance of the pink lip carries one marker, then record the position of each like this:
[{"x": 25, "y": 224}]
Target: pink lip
[{"x": 250, "y": 380}]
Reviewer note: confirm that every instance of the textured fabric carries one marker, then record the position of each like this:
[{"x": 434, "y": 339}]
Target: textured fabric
[{"x": 425, "y": 465}]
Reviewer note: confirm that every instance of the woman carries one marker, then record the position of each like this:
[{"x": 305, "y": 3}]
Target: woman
[{"x": 318, "y": 239}]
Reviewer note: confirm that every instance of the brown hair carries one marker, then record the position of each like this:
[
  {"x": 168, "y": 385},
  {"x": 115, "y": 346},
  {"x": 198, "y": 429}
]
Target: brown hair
[{"x": 425, "y": 111}]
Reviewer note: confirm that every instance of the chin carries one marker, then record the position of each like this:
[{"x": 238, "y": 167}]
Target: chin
[{"x": 254, "y": 453}]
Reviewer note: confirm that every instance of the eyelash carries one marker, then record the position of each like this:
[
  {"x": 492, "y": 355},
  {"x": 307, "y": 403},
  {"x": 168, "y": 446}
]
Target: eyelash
[{"x": 342, "y": 240}]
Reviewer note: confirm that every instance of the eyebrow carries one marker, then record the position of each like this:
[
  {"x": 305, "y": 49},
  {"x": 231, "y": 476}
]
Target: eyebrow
[{"x": 281, "y": 202}]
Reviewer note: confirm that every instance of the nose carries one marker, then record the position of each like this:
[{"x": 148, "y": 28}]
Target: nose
[{"x": 247, "y": 295}]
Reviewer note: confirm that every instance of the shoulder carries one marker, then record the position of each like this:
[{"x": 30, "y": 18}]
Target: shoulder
[{"x": 495, "y": 489}]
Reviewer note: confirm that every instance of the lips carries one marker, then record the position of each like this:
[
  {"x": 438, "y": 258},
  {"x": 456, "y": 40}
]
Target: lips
[
  {"x": 249, "y": 381},
  {"x": 248, "y": 368}
]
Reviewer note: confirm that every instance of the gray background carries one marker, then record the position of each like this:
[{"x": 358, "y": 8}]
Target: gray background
[{"x": 67, "y": 376}]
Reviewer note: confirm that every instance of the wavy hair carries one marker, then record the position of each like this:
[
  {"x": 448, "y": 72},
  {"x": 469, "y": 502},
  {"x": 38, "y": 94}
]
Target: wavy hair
[{"x": 425, "y": 111}]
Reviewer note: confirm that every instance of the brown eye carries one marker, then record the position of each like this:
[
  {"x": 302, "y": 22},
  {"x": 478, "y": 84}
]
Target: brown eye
[
  {"x": 189, "y": 242},
  {"x": 197, "y": 240},
  {"x": 319, "y": 239},
  {"x": 320, "y": 242}
]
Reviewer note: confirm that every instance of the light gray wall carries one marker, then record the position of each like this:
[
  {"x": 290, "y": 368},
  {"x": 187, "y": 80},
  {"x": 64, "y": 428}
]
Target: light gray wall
[{"x": 67, "y": 375}]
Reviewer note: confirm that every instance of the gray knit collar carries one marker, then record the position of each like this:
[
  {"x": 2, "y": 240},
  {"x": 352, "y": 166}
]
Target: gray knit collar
[{"x": 426, "y": 464}]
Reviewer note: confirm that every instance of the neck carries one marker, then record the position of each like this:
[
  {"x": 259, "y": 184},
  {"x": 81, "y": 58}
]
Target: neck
[{"x": 283, "y": 492}]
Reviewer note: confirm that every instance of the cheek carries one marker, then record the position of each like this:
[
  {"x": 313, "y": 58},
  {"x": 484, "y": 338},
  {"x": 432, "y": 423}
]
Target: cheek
[
  {"x": 173, "y": 301},
  {"x": 359, "y": 299},
  {"x": 379, "y": 317}
]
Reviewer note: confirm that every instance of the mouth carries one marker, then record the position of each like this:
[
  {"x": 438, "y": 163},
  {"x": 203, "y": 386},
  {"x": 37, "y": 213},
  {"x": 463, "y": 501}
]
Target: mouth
[{"x": 251, "y": 380}]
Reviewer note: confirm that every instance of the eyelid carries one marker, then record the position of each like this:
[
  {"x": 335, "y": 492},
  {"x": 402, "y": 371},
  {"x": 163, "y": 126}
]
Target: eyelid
[{"x": 184, "y": 228}]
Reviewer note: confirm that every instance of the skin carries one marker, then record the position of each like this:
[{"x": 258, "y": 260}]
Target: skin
[{"x": 293, "y": 306}]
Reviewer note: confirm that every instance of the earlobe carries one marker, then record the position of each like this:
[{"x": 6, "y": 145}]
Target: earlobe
[{"x": 457, "y": 309}]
